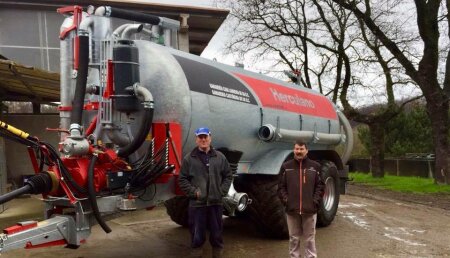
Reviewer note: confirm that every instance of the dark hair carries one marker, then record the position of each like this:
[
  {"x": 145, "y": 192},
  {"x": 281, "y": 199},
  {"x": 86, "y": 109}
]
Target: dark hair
[{"x": 301, "y": 143}]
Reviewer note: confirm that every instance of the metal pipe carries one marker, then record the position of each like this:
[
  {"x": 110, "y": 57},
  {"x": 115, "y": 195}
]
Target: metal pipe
[
  {"x": 270, "y": 133},
  {"x": 131, "y": 29},
  {"x": 117, "y": 32},
  {"x": 103, "y": 11},
  {"x": 86, "y": 24},
  {"x": 349, "y": 137},
  {"x": 170, "y": 24},
  {"x": 66, "y": 77},
  {"x": 146, "y": 95}
]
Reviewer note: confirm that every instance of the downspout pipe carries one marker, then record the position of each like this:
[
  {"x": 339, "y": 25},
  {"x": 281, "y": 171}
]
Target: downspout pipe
[{"x": 146, "y": 123}]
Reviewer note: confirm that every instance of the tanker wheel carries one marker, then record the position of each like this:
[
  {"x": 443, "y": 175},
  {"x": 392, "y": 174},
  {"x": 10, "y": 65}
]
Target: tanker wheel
[
  {"x": 177, "y": 209},
  {"x": 330, "y": 201},
  {"x": 266, "y": 209}
]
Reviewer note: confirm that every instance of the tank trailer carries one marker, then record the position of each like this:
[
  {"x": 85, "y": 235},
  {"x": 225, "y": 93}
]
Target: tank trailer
[{"x": 128, "y": 110}]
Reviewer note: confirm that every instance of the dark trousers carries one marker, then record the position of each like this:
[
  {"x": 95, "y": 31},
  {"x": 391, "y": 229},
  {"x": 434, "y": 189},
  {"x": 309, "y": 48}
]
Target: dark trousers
[{"x": 206, "y": 218}]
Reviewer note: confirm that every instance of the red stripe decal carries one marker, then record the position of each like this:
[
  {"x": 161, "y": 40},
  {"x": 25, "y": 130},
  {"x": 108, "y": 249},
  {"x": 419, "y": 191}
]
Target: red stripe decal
[{"x": 280, "y": 97}]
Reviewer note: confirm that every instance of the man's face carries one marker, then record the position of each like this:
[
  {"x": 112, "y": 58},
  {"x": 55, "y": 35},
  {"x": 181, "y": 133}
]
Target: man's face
[
  {"x": 300, "y": 151},
  {"x": 203, "y": 141}
]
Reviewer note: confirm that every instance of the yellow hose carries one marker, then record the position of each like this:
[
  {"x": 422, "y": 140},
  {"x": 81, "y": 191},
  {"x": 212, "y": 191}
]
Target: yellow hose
[{"x": 14, "y": 130}]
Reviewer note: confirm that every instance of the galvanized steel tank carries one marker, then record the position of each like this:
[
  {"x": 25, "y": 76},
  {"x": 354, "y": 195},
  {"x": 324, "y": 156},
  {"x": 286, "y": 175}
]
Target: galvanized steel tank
[{"x": 233, "y": 103}]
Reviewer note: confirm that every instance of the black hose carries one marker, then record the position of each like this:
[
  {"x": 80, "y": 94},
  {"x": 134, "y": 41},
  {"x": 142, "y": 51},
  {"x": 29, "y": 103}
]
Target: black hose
[
  {"x": 134, "y": 16},
  {"x": 62, "y": 168},
  {"x": 93, "y": 196},
  {"x": 157, "y": 174},
  {"x": 80, "y": 88},
  {"x": 146, "y": 125},
  {"x": 12, "y": 137}
]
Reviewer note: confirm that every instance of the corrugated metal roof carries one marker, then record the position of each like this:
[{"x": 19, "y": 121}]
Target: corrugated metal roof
[{"x": 25, "y": 83}]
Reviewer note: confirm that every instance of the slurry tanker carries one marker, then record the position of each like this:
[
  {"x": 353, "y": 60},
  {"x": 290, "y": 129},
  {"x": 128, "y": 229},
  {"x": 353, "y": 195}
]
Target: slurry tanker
[{"x": 128, "y": 111}]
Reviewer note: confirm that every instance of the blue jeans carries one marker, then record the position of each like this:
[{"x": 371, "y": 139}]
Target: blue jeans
[{"x": 206, "y": 218}]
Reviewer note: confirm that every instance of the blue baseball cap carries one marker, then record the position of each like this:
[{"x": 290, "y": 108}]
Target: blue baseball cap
[{"x": 202, "y": 130}]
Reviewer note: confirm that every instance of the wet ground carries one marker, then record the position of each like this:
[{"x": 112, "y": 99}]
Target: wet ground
[{"x": 370, "y": 226}]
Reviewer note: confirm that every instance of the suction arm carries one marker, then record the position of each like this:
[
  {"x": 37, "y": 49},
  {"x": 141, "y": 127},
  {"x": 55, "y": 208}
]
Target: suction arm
[{"x": 109, "y": 11}]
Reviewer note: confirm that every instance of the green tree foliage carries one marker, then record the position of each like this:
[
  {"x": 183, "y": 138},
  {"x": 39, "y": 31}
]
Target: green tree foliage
[
  {"x": 409, "y": 132},
  {"x": 364, "y": 139}
]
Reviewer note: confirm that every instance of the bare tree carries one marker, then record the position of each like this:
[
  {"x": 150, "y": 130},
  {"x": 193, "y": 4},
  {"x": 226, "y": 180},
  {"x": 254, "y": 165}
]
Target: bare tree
[
  {"x": 283, "y": 29},
  {"x": 425, "y": 72},
  {"x": 347, "y": 51}
]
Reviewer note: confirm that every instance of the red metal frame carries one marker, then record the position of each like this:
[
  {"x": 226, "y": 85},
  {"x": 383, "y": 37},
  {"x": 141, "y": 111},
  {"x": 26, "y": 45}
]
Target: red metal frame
[
  {"x": 29, "y": 245},
  {"x": 91, "y": 106},
  {"x": 109, "y": 80},
  {"x": 172, "y": 131},
  {"x": 33, "y": 159},
  {"x": 65, "y": 108},
  {"x": 92, "y": 126},
  {"x": 77, "y": 17}
]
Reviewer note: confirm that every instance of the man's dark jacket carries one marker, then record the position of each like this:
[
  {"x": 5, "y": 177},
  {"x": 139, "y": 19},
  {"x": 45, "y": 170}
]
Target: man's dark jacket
[
  {"x": 213, "y": 183},
  {"x": 301, "y": 187}
]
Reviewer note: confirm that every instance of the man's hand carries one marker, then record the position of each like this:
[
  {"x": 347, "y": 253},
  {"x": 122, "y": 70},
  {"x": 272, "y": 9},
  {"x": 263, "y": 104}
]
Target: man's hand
[{"x": 197, "y": 194}]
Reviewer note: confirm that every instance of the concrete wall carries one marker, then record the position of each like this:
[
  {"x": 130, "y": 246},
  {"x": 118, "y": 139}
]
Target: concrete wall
[
  {"x": 2, "y": 171},
  {"x": 397, "y": 167},
  {"x": 17, "y": 160}
]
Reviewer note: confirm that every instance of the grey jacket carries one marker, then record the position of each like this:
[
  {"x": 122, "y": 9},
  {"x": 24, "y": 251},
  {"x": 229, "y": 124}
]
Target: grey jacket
[{"x": 213, "y": 184}]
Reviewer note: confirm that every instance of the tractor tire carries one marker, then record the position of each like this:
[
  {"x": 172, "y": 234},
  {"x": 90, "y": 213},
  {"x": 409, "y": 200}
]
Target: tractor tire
[
  {"x": 177, "y": 209},
  {"x": 266, "y": 209},
  {"x": 330, "y": 201}
]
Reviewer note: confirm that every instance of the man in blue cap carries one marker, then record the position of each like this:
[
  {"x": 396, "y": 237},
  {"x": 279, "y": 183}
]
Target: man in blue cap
[{"x": 205, "y": 177}]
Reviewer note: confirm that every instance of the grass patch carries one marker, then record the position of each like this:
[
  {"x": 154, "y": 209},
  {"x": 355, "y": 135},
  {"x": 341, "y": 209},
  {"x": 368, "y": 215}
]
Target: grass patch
[{"x": 401, "y": 183}]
